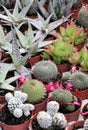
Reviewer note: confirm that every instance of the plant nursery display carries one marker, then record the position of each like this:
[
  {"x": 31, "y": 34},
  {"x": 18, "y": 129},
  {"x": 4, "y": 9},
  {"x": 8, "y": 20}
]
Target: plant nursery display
[
  {"x": 43, "y": 64},
  {"x": 50, "y": 119},
  {"x": 15, "y": 114}
]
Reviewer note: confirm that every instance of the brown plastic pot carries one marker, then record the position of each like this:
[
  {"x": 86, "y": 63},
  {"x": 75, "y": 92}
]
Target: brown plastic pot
[
  {"x": 23, "y": 126},
  {"x": 85, "y": 116},
  {"x": 78, "y": 124},
  {"x": 64, "y": 67}
]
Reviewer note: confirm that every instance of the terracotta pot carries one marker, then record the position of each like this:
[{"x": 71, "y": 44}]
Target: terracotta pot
[
  {"x": 23, "y": 126},
  {"x": 78, "y": 124},
  {"x": 83, "y": 94},
  {"x": 39, "y": 107},
  {"x": 31, "y": 121},
  {"x": 74, "y": 115},
  {"x": 64, "y": 67},
  {"x": 85, "y": 116},
  {"x": 34, "y": 60},
  {"x": 79, "y": 47}
]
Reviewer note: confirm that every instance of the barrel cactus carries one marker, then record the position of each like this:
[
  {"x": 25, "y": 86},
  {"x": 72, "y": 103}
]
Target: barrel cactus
[
  {"x": 66, "y": 76},
  {"x": 35, "y": 90},
  {"x": 45, "y": 70},
  {"x": 83, "y": 16},
  {"x": 85, "y": 126},
  {"x": 79, "y": 80},
  {"x": 64, "y": 96}
]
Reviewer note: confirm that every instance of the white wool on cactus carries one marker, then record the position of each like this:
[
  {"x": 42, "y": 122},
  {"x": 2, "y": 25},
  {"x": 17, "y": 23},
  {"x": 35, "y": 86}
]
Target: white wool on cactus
[
  {"x": 52, "y": 107},
  {"x": 26, "y": 112},
  {"x": 8, "y": 96},
  {"x": 44, "y": 119},
  {"x": 59, "y": 120},
  {"x": 23, "y": 96},
  {"x": 18, "y": 112}
]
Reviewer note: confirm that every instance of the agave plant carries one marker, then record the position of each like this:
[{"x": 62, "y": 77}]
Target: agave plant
[
  {"x": 45, "y": 27},
  {"x": 15, "y": 17}
]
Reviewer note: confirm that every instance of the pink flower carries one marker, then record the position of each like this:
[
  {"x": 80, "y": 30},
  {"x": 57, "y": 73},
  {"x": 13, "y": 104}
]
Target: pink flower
[
  {"x": 69, "y": 86},
  {"x": 73, "y": 69},
  {"x": 76, "y": 103},
  {"x": 22, "y": 79},
  {"x": 52, "y": 86}
]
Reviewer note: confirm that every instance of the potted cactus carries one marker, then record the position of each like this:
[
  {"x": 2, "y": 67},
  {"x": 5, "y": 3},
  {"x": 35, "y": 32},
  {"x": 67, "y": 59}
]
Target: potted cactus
[
  {"x": 78, "y": 125},
  {"x": 77, "y": 83},
  {"x": 15, "y": 114},
  {"x": 84, "y": 111},
  {"x": 69, "y": 104},
  {"x": 36, "y": 92},
  {"x": 50, "y": 119}
]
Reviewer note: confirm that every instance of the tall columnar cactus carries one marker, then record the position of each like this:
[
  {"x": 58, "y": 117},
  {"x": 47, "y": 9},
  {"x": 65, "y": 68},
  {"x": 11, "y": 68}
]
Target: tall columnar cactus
[
  {"x": 35, "y": 89},
  {"x": 52, "y": 107},
  {"x": 83, "y": 16},
  {"x": 59, "y": 120},
  {"x": 16, "y": 106},
  {"x": 85, "y": 126},
  {"x": 45, "y": 70},
  {"x": 79, "y": 80}
]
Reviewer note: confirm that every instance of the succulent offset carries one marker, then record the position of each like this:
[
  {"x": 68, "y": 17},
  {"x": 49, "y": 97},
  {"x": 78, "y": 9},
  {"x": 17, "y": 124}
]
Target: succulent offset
[
  {"x": 45, "y": 71},
  {"x": 34, "y": 87},
  {"x": 16, "y": 106},
  {"x": 82, "y": 18}
]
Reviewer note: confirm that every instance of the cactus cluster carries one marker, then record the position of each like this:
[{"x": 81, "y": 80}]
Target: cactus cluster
[
  {"x": 45, "y": 70},
  {"x": 48, "y": 121},
  {"x": 16, "y": 106},
  {"x": 35, "y": 90},
  {"x": 83, "y": 16}
]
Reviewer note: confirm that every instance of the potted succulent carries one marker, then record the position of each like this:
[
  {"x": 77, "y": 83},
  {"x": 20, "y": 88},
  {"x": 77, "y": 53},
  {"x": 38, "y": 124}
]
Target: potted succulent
[
  {"x": 76, "y": 82},
  {"x": 50, "y": 119},
  {"x": 73, "y": 34},
  {"x": 15, "y": 114},
  {"x": 59, "y": 52},
  {"x": 84, "y": 111},
  {"x": 36, "y": 92},
  {"x": 69, "y": 104},
  {"x": 81, "y": 125}
]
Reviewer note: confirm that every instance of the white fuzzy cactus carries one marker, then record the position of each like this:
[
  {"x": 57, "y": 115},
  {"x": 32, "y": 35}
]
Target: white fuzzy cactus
[
  {"x": 59, "y": 120},
  {"x": 44, "y": 119},
  {"x": 85, "y": 126},
  {"x": 16, "y": 104},
  {"x": 52, "y": 107}
]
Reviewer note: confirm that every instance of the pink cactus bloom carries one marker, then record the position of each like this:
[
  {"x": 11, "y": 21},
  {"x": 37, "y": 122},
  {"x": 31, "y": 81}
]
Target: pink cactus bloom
[
  {"x": 69, "y": 86},
  {"x": 73, "y": 69},
  {"x": 22, "y": 79}
]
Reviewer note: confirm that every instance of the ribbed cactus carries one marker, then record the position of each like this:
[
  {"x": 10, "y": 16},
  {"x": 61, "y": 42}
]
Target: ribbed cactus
[
  {"x": 64, "y": 96},
  {"x": 35, "y": 90},
  {"x": 44, "y": 119},
  {"x": 79, "y": 80},
  {"x": 59, "y": 120},
  {"x": 45, "y": 70},
  {"x": 83, "y": 16},
  {"x": 52, "y": 107},
  {"x": 85, "y": 126}
]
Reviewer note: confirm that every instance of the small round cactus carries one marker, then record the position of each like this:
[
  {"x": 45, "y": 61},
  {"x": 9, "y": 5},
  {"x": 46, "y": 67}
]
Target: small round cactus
[
  {"x": 52, "y": 107},
  {"x": 66, "y": 76},
  {"x": 79, "y": 80},
  {"x": 45, "y": 70},
  {"x": 83, "y": 16},
  {"x": 85, "y": 126},
  {"x": 35, "y": 90},
  {"x": 59, "y": 120},
  {"x": 44, "y": 119},
  {"x": 64, "y": 96}
]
